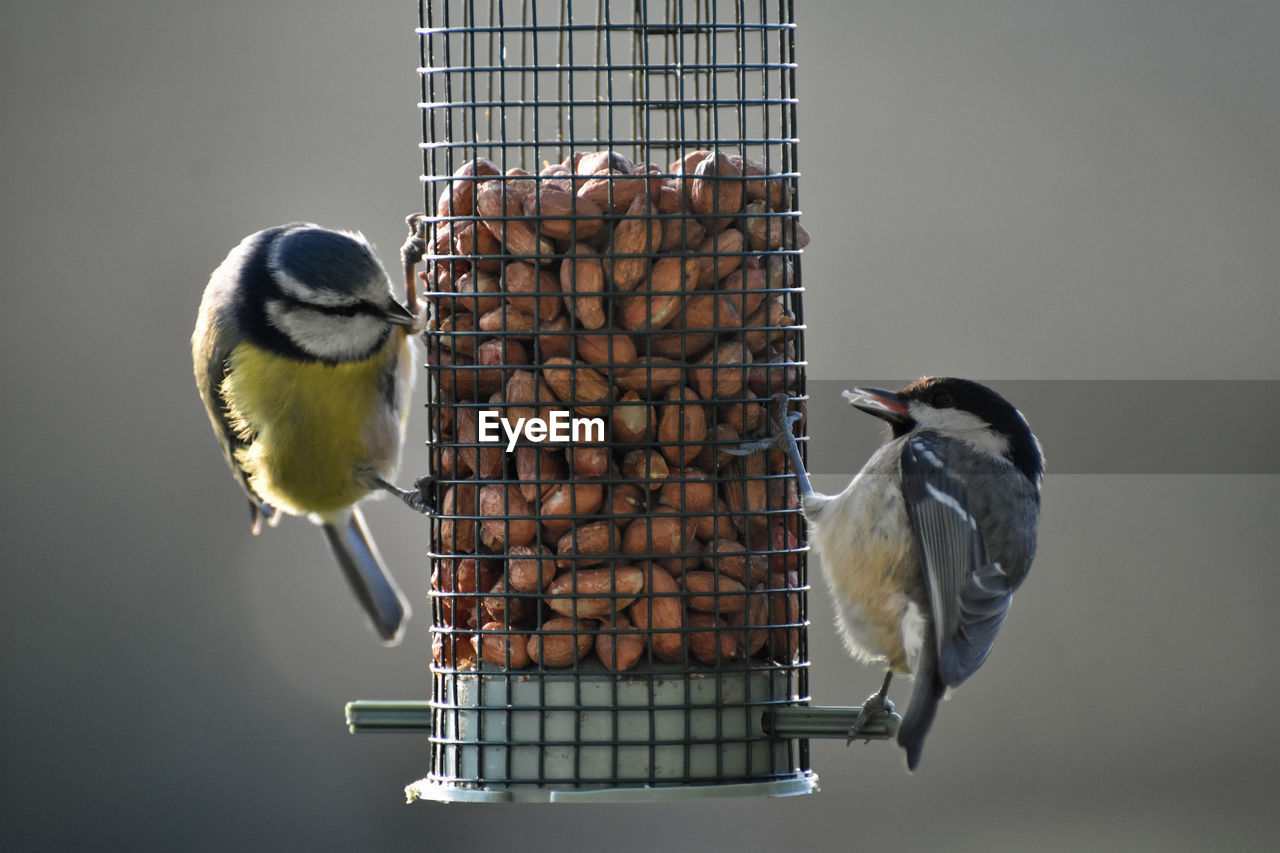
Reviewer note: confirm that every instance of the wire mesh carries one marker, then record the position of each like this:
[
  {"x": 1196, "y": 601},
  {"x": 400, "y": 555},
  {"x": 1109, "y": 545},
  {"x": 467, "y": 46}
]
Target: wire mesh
[{"x": 613, "y": 271}]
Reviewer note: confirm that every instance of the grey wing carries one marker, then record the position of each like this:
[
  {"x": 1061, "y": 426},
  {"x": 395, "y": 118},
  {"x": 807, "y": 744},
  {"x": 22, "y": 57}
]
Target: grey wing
[
  {"x": 211, "y": 346},
  {"x": 969, "y": 594}
]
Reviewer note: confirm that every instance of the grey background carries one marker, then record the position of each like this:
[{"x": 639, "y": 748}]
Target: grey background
[{"x": 1029, "y": 190}]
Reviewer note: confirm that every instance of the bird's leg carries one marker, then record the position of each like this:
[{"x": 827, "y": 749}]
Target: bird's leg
[
  {"x": 783, "y": 439},
  {"x": 877, "y": 703},
  {"x": 415, "y": 246},
  {"x": 260, "y": 511},
  {"x": 415, "y": 499}
]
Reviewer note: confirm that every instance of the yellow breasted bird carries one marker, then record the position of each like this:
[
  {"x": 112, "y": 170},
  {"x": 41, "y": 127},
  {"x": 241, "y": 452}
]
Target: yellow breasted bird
[{"x": 305, "y": 365}]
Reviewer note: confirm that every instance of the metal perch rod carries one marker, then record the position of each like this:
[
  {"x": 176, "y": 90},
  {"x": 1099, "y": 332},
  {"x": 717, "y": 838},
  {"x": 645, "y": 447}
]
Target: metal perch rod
[{"x": 366, "y": 716}]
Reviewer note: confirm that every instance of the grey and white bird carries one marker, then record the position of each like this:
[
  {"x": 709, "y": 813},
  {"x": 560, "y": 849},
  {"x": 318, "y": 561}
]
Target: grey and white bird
[{"x": 923, "y": 550}]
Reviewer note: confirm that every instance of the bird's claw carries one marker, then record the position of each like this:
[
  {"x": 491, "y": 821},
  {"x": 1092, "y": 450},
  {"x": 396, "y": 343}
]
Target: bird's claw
[
  {"x": 877, "y": 703},
  {"x": 750, "y": 448},
  {"x": 416, "y": 498},
  {"x": 419, "y": 500},
  {"x": 415, "y": 245},
  {"x": 782, "y": 420}
]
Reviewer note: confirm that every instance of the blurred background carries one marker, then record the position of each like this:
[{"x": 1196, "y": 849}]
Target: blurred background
[{"x": 1019, "y": 192}]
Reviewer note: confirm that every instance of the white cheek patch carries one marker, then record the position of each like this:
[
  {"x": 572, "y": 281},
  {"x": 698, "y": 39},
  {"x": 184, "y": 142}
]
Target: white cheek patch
[
  {"x": 965, "y": 426},
  {"x": 325, "y": 336}
]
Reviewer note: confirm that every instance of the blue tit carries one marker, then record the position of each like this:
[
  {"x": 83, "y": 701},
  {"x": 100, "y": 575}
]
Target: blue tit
[
  {"x": 305, "y": 365},
  {"x": 923, "y": 550}
]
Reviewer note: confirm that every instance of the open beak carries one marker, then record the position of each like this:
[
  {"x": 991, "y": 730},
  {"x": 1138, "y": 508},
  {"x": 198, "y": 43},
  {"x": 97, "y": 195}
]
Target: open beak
[{"x": 886, "y": 405}]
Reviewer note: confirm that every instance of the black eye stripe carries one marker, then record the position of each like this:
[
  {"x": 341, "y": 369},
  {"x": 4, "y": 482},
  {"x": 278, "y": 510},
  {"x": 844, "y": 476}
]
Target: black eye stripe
[
  {"x": 344, "y": 310},
  {"x": 348, "y": 310}
]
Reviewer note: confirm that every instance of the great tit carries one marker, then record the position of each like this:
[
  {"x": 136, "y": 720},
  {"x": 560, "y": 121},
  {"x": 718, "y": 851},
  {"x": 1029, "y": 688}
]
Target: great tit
[
  {"x": 305, "y": 365},
  {"x": 923, "y": 550}
]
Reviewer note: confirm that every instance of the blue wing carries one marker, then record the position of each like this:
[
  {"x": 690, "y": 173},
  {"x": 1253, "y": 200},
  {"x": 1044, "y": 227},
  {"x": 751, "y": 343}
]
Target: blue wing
[
  {"x": 969, "y": 594},
  {"x": 362, "y": 566}
]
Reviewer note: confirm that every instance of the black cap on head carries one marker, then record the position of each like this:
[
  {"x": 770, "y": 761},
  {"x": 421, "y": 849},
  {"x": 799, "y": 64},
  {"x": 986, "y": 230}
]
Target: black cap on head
[{"x": 947, "y": 392}]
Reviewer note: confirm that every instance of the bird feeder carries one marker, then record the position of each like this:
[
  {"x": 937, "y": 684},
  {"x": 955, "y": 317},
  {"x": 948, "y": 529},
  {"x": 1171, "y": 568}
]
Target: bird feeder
[{"x": 611, "y": 258}]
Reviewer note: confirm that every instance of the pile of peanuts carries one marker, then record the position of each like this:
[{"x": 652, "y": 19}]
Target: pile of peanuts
[{"x": 659, "y": 301}]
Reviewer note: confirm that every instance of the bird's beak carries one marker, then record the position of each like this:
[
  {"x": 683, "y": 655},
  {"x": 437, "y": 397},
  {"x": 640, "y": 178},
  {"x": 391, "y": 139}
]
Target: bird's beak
[
  {"x": 886, "y": 405},
  {"x": 398, "y": 315}
]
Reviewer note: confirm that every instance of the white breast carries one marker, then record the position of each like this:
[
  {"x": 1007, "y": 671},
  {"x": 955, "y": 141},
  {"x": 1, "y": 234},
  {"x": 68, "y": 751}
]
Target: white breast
[{"x": 864, "y": 541}]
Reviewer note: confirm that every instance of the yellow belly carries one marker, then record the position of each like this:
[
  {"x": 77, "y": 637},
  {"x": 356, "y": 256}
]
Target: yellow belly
[{"x": 318, "y": 433}]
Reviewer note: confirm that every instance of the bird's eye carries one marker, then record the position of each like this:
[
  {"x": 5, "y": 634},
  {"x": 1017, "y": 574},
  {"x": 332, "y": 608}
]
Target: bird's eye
[{"x": 941, "y": 400}]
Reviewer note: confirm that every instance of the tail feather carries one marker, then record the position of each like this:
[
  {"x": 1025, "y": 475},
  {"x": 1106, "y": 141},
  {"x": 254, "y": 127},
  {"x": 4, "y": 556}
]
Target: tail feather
[
  {"x": 362, "y": 566},
  {"x": 925, "y": 696}
]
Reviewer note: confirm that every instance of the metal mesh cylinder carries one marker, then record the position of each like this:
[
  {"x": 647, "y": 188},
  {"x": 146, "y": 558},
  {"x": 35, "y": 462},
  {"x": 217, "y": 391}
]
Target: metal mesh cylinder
[{"x": 613, "y": 274}]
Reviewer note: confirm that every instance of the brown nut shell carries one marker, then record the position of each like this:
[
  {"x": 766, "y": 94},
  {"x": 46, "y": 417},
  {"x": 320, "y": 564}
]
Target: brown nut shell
[
  {"x": 716, "y": 190},
  {"x": 562, "y": 215},
  {"x": 578, "y": 385},
  {"x": 484, "y": 460},
  {"x": 457, "y": 198},
  {"x": 689, "y": 490},
  {"x": 722, "y": 372},
  {"x": 560, "y": 642},
  {"x": 632, "y": 419},
  {"x": 499, "y": 647},
  {"x": 712, "y": 592},
  {"x": 586, "y": 544},
  {"x": 595, "y": 593},
  {"x": 646, "y": 465},
  {"x": 719, "y": 255},
  {"x": 501, "y": 209},
  {"x": 582, "y": 283},
  {"x": 564, "y": 504},
  {"x": 459, "y": 535},
  {"x": 530, "y": 567},
  {"x": 607, "y": 348},
  {"x": 652, "y": 378},
  {"x": 588, "y": 460},
  {"x": 612, "y": 190},
  {"x": 506, "y": 517},
  {"x": 713, "y": 641},
  {"x": 531, "y": 289},
  {"x": 682, "y": 425},
  {"x": 501, "y": 606},
  {"x": 619, "y": 646},
  {"x": 659, "y": 533},
  {"x": 658, "y": 304},
  {"x": 659, "y": 611},
  {"x": 637, "y": 236}
]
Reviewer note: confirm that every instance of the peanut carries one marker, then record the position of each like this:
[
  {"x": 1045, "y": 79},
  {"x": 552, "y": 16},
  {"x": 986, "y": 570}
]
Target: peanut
[
  {"x": 620, "y": 646},
  {"x": 562, "y": 215},
  {"x": 659, "y": 611},
  {"x": 530, "y": 567},
  {"x": 595, "y": 593},
  {"x": 497, "y": 646},
  {"x": 560, "y": 642}
]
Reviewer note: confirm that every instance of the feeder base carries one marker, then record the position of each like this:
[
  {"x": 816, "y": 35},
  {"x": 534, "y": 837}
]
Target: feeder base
[
  {"x": 599, "y": 737},
  {"x": 426, "y": 789}
]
